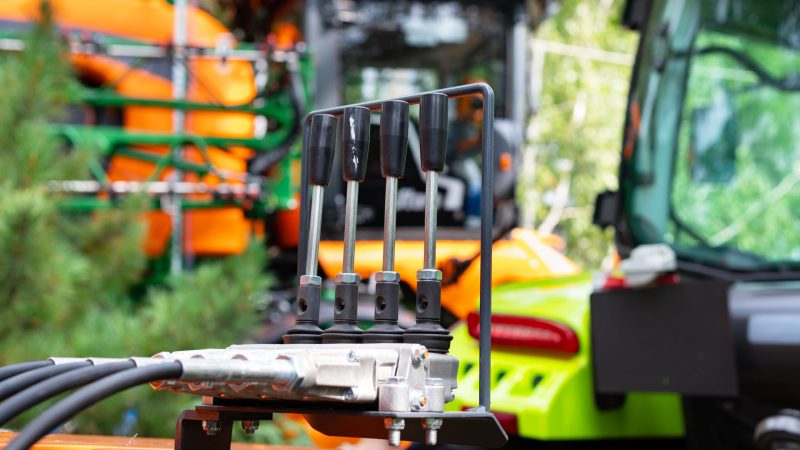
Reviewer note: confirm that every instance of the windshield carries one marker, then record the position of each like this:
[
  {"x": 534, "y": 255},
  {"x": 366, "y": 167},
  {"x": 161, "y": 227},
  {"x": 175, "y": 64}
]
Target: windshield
[{"x": 717, "y": 159}]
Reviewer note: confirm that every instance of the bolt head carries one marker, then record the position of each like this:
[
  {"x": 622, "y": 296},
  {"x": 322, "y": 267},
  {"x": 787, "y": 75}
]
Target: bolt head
[
  {"x": 350, "y": 278},
  {"x": 418, "y": 355},
  {"x": 429, "y": 274},
  {"x": 418, "y": 400},
  {"x": 211, "y": 427},
  {"x": 387, "y": 276},
  {"x": 352, "y": 356},
  {"x": 432, "y": 423},
  {"x": 310, "y": 280},
  {"x": 394, "y": 423},
  {"x": 250, "y": 426},
  {"x": 349, "y": 395}
]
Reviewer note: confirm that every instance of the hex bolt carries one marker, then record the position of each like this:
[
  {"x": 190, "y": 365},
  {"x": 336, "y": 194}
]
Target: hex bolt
[
  {"x": 395, "y": 426},
  {"x": 349, "y": 395},
  {"x": 352, "y": 356},
  {"x": 431, "y": 425},
  {"x": 321, "y": 146},
  {"x": 418, "y": 400},
  {"x": 394, "y": 146},
  {"x": 250, "y": 426},
  {"x": 211, "y": 427},
  {"x": 428, "y": 330},
  {"x": 355, "y": 149},
  {"x": 419, "y": 355}
]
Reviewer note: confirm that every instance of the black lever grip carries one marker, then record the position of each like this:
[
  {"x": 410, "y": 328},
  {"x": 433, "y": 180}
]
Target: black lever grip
[
  {"x": 394, "y": 138},
  {"x": 321, "y": 147},
  {"x": 355, "y": 143},
  {"x": 433, "y": 131}
]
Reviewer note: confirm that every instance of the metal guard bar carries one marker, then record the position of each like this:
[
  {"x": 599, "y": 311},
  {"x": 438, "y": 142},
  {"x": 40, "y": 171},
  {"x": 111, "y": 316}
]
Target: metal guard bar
[{"x": 487, "y": 219}]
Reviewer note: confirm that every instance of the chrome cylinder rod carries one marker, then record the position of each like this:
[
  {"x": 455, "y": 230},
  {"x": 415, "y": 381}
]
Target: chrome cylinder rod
[
  {"x": 431, "y": 191},
  {"x": 314, "y": 229},
  {"x": 389, "y": 224},
  {"x": 350, "y": 218}
]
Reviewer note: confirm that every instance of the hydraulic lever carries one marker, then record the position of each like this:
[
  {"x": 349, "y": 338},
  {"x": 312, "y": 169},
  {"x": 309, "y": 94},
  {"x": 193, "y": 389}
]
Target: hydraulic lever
[
  {"x": 394, "y": 141},
  {"x": 321, "y": 148},
  {"x": 428, "y": 330},
  {"x": 355, "y": 149}
]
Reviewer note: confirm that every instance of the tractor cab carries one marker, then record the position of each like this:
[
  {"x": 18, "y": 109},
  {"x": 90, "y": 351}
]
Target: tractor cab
[{"x": 709, "y": 175}]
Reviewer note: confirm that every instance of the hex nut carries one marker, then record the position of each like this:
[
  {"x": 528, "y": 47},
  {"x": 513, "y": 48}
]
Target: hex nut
[
  {"x": 310, "y": 280},
  {"x": 349, "y": 395},
  {"x": 387, "y": 276},
  {"x": 250, "y": 426},
  {"x": 211, "y": 427},
  {"x": 347, "y": 278},
  {"x": 429, "y": 274}
]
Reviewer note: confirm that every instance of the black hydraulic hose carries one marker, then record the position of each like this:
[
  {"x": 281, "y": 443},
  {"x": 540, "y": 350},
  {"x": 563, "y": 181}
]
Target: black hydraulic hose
[
  {"x": 46, "y": 389},
  {"x": 89, "y": 395},
  {"x": 14, "y": 369},
  {"x": 11, "y": 386}
]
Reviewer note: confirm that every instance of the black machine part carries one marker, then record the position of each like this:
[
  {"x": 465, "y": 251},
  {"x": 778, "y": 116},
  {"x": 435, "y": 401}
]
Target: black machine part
[
  {"x": 706, "y": 338},
  {"x": 672, "y": 338},
  {"x": 766, "y": 328},
  {"x": 779, "y": 432}
]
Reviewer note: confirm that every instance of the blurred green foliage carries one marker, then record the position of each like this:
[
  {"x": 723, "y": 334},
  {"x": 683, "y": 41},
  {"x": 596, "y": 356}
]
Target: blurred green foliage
[
  {"x": 579, "y": 120},
  {"x": 66, "y": 280}
]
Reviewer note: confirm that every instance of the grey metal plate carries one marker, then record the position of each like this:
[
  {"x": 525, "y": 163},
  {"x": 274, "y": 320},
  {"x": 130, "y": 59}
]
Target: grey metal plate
[
  {"x": 467, "y": 428},
  {"x": 674, "y": 338},
  {"x": 458, "y": 427}
]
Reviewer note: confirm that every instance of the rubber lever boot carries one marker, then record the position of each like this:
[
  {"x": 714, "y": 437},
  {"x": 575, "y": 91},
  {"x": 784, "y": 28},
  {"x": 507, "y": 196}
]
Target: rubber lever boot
[
  {"x": 355, "y": 149},
  {"x": 321, "y": 146},
  {"x": 428, "y": 330},
  {"x": 394, "y": 144}
]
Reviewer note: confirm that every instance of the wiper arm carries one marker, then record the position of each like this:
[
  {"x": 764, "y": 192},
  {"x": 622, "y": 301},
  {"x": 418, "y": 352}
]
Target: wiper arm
[{"x": 789, "y": 83}]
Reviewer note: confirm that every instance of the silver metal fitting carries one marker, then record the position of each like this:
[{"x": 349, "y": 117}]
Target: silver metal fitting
[
  {"x": 352, "y": 356},
  {"x": 393, "y": 395},
  {"x": 387, "y": 276},
  {"x": 429, "y": 274},
  {"x": 395, "y": 426},
  {"x": 434, "y": 392},
  {"x": 310, "y": 280},
  {"x": 431, "y": 426},
  {"x": 250, "y": 426},
  {"x": 346, "y": 277},
  {"x": 349, "y": 395},
  {"x": 211, "y": 427}
]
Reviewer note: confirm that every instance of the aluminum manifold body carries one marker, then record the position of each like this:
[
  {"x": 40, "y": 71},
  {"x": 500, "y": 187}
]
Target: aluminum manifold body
[{"x": 396, "y": 377}]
